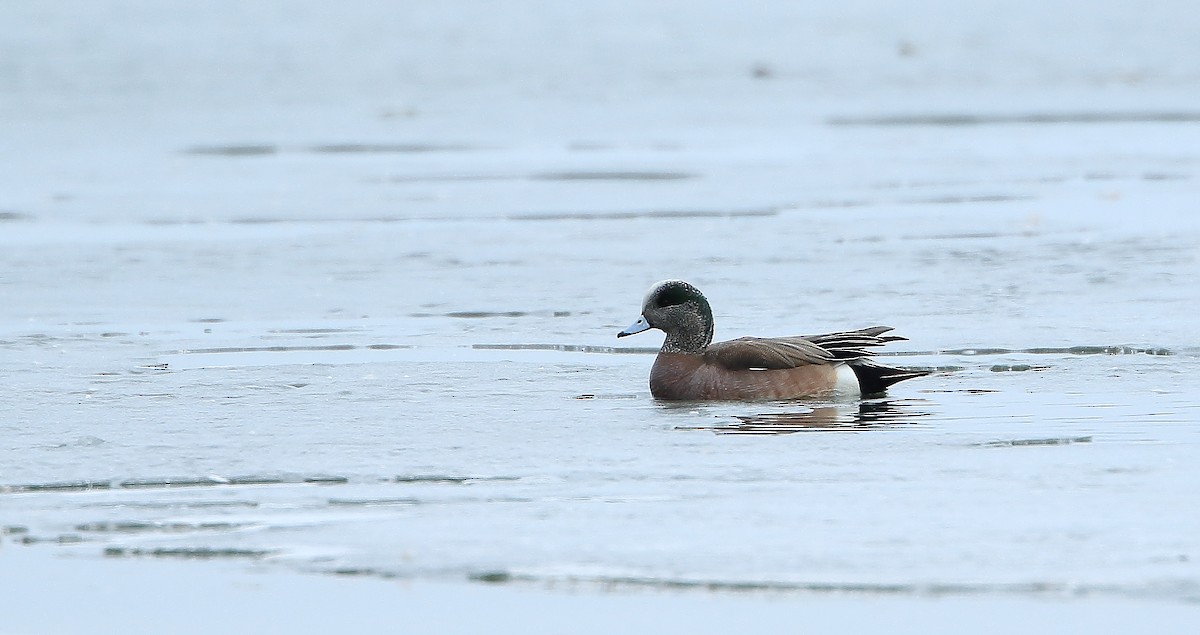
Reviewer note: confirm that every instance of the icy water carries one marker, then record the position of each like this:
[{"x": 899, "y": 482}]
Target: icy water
[{"x": 356, "y": 313}]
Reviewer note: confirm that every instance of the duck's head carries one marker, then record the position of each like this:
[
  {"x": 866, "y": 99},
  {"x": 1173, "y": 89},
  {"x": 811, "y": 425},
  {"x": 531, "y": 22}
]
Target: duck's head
[{"x": 679, "y": 310}]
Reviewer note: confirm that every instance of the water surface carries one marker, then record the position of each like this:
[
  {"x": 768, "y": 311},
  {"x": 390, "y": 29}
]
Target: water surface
[{"x": 374, "y": 335}]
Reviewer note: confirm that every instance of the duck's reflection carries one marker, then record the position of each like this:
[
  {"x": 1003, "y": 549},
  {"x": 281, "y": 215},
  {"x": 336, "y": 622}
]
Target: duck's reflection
[{"x": 865, "y": 415}]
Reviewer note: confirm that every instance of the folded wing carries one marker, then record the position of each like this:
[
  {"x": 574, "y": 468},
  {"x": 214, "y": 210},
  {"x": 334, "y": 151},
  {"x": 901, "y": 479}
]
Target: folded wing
[{"x": 774, "y": 353}]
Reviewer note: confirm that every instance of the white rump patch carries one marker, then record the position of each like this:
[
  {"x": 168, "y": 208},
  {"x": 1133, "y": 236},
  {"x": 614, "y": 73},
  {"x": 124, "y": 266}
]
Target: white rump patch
[{"x": 847, "y": 382}]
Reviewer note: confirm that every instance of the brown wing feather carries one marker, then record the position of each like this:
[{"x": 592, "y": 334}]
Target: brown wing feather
[
  {"x": 770, "y": 353},
  {"x": 791, "y": 352}
]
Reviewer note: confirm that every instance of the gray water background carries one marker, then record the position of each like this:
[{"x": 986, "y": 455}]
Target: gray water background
[{"x": 336, "y": 289}]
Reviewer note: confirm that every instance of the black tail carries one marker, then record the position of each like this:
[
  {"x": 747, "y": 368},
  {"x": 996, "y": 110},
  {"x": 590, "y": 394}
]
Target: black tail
[
  {"x": 874, "y": 379},
  {"x": 854, "y": 348}
]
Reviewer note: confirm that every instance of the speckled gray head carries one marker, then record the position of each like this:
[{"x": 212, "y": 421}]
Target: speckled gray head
[{"x": 679, "y": 310}]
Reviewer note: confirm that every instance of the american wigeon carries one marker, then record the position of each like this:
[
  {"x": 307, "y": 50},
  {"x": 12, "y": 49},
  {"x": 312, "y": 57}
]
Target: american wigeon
[{"x": 690, "y": 367}]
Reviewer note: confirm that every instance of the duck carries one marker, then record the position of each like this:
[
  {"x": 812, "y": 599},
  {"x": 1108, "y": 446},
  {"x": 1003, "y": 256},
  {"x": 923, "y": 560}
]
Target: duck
[{"x": 690, "y": 367}]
